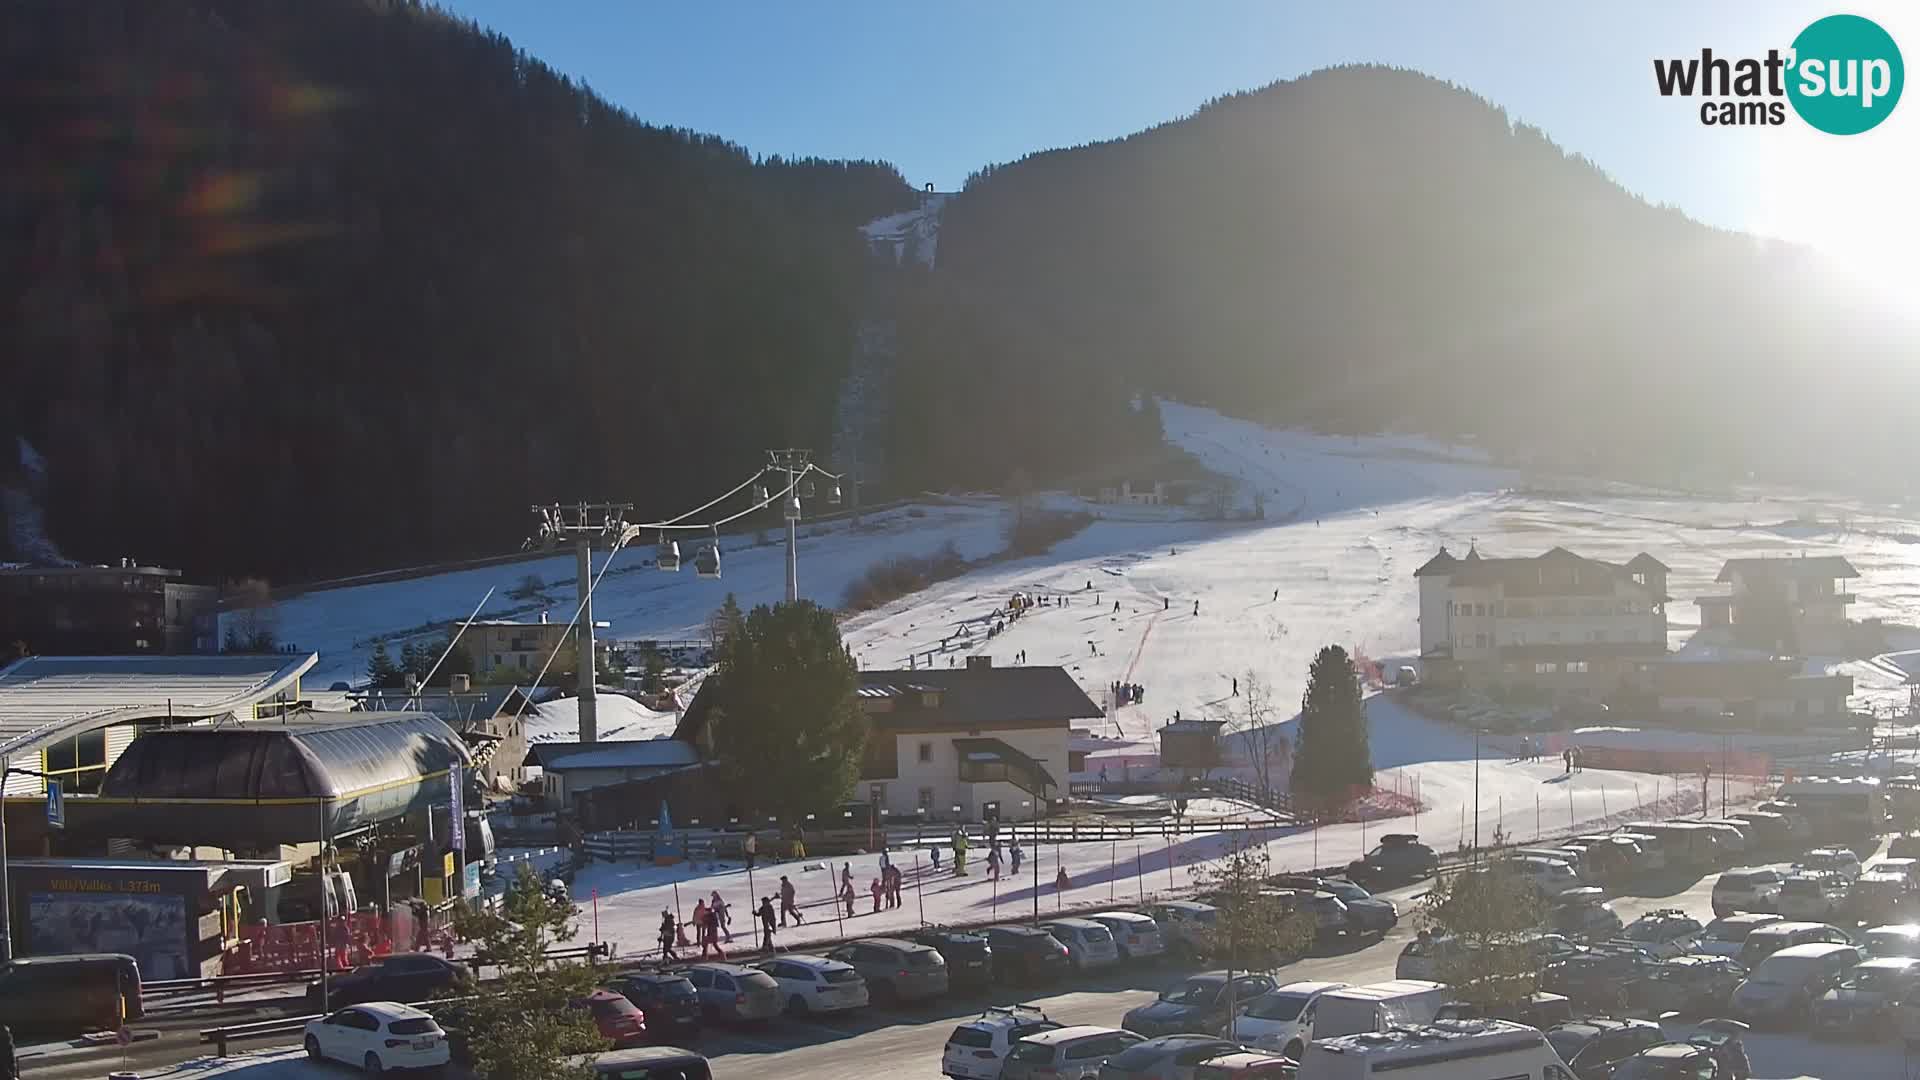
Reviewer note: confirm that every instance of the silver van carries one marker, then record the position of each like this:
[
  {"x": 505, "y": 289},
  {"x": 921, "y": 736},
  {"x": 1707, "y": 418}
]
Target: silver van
[
  {"x": 1781, "y": 990},
  {"x": 1068, "y": 1053}
]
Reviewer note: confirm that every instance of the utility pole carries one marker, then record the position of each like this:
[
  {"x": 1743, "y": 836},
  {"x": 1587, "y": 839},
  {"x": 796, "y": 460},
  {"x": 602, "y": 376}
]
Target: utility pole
[
  {"x": 582, "y": 524},
  {"x": 793, "y": 464}
]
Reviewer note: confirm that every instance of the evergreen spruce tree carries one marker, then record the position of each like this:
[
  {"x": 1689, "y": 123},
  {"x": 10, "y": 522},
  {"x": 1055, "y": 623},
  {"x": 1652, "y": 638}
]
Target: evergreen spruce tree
[
  {"x": 410, "y": 660},
  {"x": 1333, "y": 755},
  {"x": 381, "y": 672}
]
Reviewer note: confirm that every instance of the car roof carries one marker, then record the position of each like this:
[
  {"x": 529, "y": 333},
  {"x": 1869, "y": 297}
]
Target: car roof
[
  {"x": 1910, "y": 930},
  {"x": 1075, "y": 922},
  {"x": 723, "y": 966},
  {"x": 1811, "y": 950},
  {"x": 1027, "y": 931},
  {"x": 1785, "y": 927},
  {"x": 389, "y": 1010},
  {"x": 1123, "y": 916},
  {"x": 1888, "y": 963},
  {"x": 1670, "y": 1050},
  {"x": 1245, "y": 1059},
  {"x": 652, "y": 977},
  {"x": 807, "y": 960},
  {"x": 1055, "y": 1036},
  {"x": 1188, "y": 905},
  {"x": 894, "y": 943},
  {"x": 639, "y": 1055},
  {"x": 1308, "y": 986}
]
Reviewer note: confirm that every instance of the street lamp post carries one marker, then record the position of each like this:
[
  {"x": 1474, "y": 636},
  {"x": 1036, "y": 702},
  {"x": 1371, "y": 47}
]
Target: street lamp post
[{"x": 1476, "y": 794}]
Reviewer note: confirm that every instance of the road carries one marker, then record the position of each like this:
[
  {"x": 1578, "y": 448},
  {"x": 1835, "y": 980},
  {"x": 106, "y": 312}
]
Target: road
[{"x": 905, "y": 1043}]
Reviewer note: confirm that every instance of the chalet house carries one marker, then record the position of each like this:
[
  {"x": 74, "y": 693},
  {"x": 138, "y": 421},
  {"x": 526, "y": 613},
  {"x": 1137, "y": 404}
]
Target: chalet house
[
  {"x": 1786, "y": 605},
  {"x": 1773, "y": 693},
  {"x": 1556, "y": 622},
  {"x": 515, "y": 643}
]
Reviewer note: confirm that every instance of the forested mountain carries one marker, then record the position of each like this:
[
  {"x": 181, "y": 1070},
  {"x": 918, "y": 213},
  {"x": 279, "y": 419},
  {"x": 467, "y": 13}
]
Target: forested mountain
[
  {"x": 300, "y": 287},
  {"x": 1366, "y": 247}
]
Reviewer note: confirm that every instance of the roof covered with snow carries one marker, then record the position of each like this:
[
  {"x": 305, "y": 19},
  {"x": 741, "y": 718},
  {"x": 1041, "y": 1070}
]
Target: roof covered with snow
[
  {"x": 1554, "y": 572},
  {"x": 1820, "y": 566},
  {"x": 647, "y": 754},
  {"x": 47, "y": 698}
]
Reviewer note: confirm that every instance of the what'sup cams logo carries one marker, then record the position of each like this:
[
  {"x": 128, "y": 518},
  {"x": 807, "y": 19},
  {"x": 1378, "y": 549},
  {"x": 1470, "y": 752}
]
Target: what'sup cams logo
[{"x": 1842, "y": 75}]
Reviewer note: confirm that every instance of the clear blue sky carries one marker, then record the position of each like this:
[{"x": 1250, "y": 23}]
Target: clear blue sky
[{"x": 942, "y": 89}]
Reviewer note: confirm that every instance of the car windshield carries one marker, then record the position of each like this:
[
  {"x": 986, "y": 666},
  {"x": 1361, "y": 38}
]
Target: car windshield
[
  {"x": 971, "y": 1036},
  {"x": 613, "y": 1008},
  {"x": 923, "y": 959},
  {"x": 1280, "y": 1006},
  {"x": 757, "y": 980},
  {"x": 1877, "y": 981},
  {"x": 1347, "y": 891},
  {"x": 677, "y": 990},
  {"x": 1031, "y": 1053},
  {"x": 1195, "y": 992},
  {"x": 1800, "y": 887},
  {"x": 414, "y": 1026},
  {"x": 1651, "y": 930},
  {"x": 842, "y": 975}
]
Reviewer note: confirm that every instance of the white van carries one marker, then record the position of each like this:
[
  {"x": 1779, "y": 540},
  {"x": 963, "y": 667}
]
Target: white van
[
  {"x": 1442, "y": 1050},
  {"x": 1653, "y": 850},
  {"x": 1378, "y": 1006}
]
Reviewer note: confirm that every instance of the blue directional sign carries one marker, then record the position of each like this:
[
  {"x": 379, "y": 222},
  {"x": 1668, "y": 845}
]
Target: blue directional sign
[{"x": 56, "y": 806}]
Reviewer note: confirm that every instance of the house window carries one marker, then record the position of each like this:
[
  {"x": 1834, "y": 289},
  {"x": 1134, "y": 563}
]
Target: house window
[
  {"x": 1545, "y": 668},
  {"x": 926, "y": 752},
  {"x": 926, "y": 799},
  {"x": 523, "y": 656},
  {"x": 1576, "y": 667},
  {"x": 877, "y": 797},
  {"x": 1479, "y": 641},
  {"x": 79, "y": 763}
]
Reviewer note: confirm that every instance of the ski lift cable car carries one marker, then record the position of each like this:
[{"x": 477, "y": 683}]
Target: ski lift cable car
[
  {"x": 667, "y": 554},
  {"x": 706, "y": 562}
]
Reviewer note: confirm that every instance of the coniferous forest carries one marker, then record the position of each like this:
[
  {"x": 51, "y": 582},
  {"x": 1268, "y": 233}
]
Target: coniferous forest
[{"x": 300, "y": 288}]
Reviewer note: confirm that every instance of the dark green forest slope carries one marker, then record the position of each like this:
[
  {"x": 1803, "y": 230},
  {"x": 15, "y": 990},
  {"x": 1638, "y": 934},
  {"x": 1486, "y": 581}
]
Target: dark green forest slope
[
  {"x": 1366, "y": 247},
  {"x": 300, "y": 287}
]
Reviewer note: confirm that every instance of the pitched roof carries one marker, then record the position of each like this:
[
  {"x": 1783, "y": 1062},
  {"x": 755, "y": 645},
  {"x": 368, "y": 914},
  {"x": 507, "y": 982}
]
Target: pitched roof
[
  {"x": 1554, "y": 572},
  {"x": 1442, "y": 562},
  {"x": 632, "y": 754},
  {"x": 969, "y": 697},
  {"x": 1644, "y": 562},
  {"x": 1820, "y": 566}
]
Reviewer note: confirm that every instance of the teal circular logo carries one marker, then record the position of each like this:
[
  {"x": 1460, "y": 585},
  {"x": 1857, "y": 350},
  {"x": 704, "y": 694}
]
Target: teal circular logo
[{"x": 1846, "y": 74}]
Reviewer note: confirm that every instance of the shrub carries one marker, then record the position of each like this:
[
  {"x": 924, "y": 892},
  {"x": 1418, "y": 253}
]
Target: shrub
[
  {"x": 890, "y": 579},
  {"x": 1035, "y": 532}
]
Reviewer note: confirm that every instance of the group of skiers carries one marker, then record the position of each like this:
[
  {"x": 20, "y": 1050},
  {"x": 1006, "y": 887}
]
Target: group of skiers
[
  {"x": 1126, "y": 693},
  {"x": 710, "y": 921}
]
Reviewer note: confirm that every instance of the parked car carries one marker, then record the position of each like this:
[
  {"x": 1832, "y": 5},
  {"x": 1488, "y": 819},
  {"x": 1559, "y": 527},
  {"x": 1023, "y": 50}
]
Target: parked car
[
  {"x": 1797, "y": 820},
  {"x": 1749, "y": 888},
  {"x": 1068, "y": 1053},
  {"x": 734, "y": 992},
  {"x": 1196, "y": 1005},
  {"x": 1695, "y": 985},
  {"x": 1025, "y": 954},
  {"x": 1089, "y": 944},
  {"x": 1726, "y": 935},
  {"x": 649, "y": 1062},
  {"x": 1426, "y": 956},
  {"x": 1905, "y": 866},
  {"x": 1549, "y": 877},
  {"x": 1862, "y": 1002},
  {"x": 1247, "y": 1065},
  {"x": 1900, "y": 940},
  {"x": 1771, "y": 831},
  {"x": 975, "y": 1049},
  {"x": 1185, "y": 924},
  {"x": 1169, "y": 1057},
  {"x": 1539, "y": 1010},
  {"x": 1766, "y": 940},
  {"x": 1400, "y": 858},
  {"x": 1663, "y": 933},
  {"x": 894, "y": 969},
  {"x": 815, "y": 984},
  {"x": 1878, "y": 897},
  {"x": 1652, "y": 857},
  {"x": 1584, "y": 914},
  {"x": 1813, "y": 898},
  {"x": 1366, "y": 913},
  {"x": 1137, "y": 936},
  {"x": 1671, "y": 1061},
  {"x": 1781, "y": 990},
  {"x": 618, "y": 1020},
  {"x": 378, "y": 1035},
  {"x": 1830, "y": 860},
  {"x": 1904, "y": 845},
  {"x": 1330, "y": 918},
  {"x": 1736, "y": 836},
  {"x": 1591, "y": 1047},
  {"x": 968, "y": 955},
  {"x": 1602, "y": 858},
  {"x": 400, "y": 977},
  {"x": 72, "y": 994},
  {"x": 669, "y": 1003},
  {"x": 1604, "y": 980},
  {"x": 1282, "y": 1018}
]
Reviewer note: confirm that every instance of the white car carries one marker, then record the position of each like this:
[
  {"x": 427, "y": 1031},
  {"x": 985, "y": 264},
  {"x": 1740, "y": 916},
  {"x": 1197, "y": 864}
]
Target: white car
[
  {"x": 1089, "y": 944},
  {"x": 976, "y": 1048},
  {"x": 1282, "y": 1018},
  {"x": 1830, "y": 861},
  {"x": 815, "y": 984},
  {"x": 1137, "y": 936},
  {"x": 376, "y": 1036},
  {"x": 1906, "y": 868},
  {"x": 1812, "y": 897}
]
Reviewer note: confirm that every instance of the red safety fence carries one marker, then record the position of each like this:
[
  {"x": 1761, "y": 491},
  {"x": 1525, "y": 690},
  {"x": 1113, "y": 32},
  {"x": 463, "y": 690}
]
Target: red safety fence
[{"x": 352, "y": 940}]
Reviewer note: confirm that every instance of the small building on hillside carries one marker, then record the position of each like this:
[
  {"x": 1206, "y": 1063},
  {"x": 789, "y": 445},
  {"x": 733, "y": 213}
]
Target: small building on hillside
[
  {"x": 992, "y": 741},
  {"x": 120, "y": 610},
  {"x": 569, "y": 768},
  {"x": 1192, "y": 745},
  {"x": 1787, "y": 605},
  {"x": 1127, "y": 494},
  {"x": 1748, "y": 693},
  {"x": 1559, "y": 623},
  {"x": 515, "y": 643}
]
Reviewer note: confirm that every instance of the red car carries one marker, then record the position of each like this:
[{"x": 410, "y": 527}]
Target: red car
[{"x": 618, "y": 1019}]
